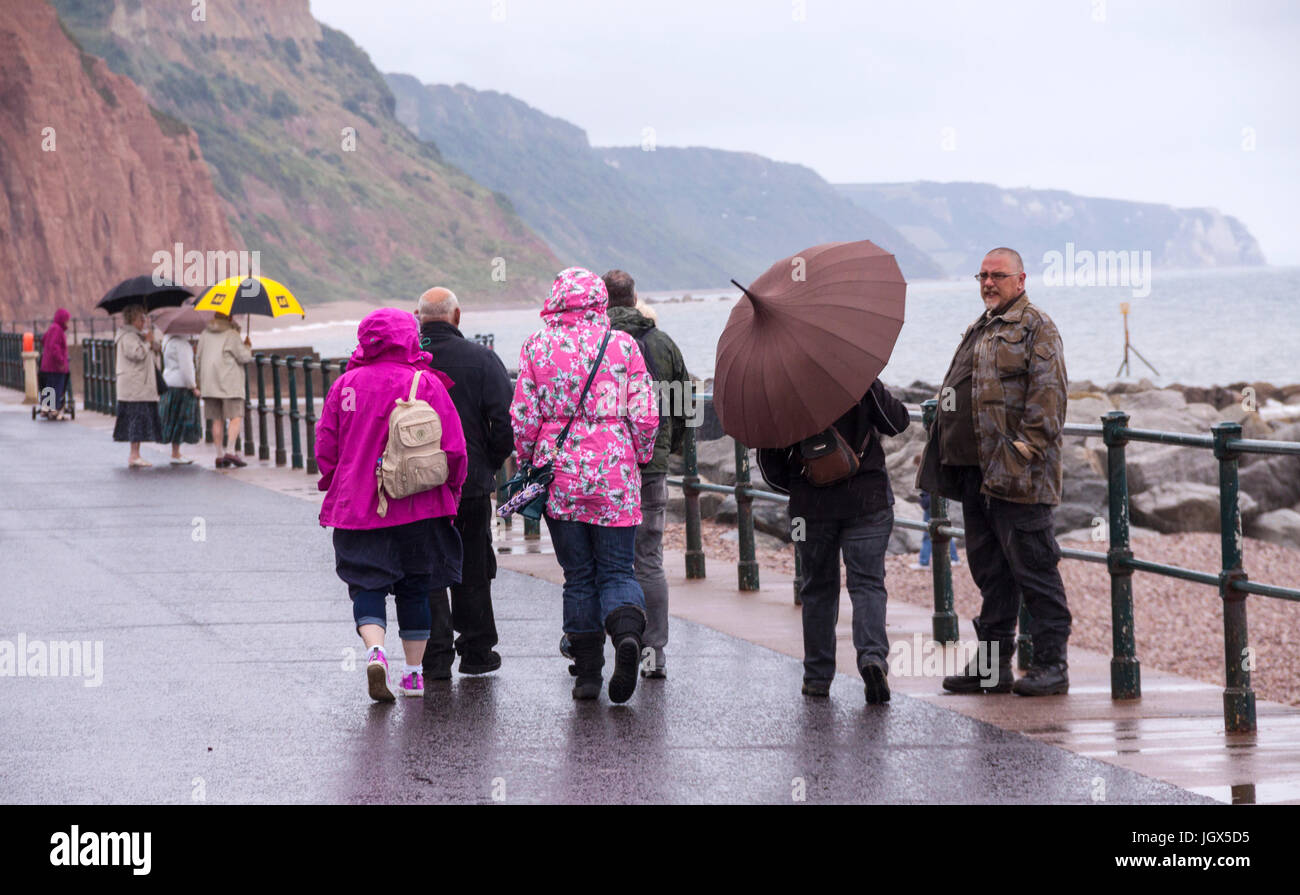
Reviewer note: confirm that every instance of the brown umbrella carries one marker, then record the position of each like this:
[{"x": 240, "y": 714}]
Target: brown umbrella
[
  {"x": 184, "y": 321},
  {"x": 806, "y": 341}
]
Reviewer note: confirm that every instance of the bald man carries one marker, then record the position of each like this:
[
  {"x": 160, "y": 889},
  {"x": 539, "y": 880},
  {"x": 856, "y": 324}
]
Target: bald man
[
  {"x": 482, "y": 392},
  {"x": 995, "y": 445}
]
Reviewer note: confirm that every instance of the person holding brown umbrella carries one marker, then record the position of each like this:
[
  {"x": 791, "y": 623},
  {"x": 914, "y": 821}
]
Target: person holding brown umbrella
[
  {"x": 797, "y": 377},
  {"x": 179, "y": 405}
]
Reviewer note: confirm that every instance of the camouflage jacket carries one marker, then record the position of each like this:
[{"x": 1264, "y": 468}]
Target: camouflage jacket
[{"x": 1018, "y": 393}]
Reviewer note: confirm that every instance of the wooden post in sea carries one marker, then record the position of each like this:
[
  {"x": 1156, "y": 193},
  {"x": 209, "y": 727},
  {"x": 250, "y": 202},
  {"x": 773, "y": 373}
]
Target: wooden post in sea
[{"x": 1123, "y": 367}]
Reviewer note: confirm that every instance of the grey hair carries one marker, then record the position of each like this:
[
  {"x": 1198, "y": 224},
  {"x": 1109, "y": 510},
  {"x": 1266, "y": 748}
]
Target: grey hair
[
  {"x": 439, "y": 308},
  {"x": 1010, "y": 253}
]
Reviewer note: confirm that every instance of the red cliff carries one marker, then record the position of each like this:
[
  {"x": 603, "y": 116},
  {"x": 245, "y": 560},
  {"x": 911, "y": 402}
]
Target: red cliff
[{"x": 93, "y": 181}]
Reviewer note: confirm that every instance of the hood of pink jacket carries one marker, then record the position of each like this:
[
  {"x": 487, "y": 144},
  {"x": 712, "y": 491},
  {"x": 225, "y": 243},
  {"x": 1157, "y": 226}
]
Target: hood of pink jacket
[
  {"x": 389, "y": 335},
  {"x": 578, "y": 297}
]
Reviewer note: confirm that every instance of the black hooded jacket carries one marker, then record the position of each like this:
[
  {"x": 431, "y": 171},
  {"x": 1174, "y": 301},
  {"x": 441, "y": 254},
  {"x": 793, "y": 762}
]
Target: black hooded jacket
[
  {"x": 482, "y": 395},
  {"x": 868, "y": 490}
]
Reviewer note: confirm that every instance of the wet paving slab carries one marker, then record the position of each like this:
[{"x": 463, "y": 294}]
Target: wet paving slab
[{"x": 230, "y": 672}]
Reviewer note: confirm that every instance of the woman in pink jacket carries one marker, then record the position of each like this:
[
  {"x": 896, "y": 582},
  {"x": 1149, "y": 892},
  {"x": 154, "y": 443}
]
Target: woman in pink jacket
[
  {"x": 595, "y": 500},
  {"x": 54, "y": 365},
  {"x": 413, "y": 549}
]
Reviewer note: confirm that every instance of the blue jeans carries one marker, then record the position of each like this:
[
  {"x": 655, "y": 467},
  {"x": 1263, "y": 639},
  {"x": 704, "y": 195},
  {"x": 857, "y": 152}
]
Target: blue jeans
[
  {"x": 412, "y": 598},
  {"x": 599, "y": 573},
  {"x": 926, "y": 547},
  {"x": 862, "y": 540}
]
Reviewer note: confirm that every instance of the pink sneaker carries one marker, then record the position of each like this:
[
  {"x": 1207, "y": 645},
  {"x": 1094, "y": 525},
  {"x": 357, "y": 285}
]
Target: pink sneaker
[
  {"x": 377, "y": 675},
  {"x": 413, "y": 684}
]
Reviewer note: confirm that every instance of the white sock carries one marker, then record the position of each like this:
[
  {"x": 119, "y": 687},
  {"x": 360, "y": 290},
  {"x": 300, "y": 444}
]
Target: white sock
[
  {"x": 380, "y": 648},
  {"x": 408, "y": 668}
]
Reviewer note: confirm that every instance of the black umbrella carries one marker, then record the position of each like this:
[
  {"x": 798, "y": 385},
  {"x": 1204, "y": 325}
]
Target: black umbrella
[{"x": 143, "y": 290}]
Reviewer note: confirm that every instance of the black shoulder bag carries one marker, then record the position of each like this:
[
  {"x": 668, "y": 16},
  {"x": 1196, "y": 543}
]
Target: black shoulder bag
[{"x": 526, "y": 493}]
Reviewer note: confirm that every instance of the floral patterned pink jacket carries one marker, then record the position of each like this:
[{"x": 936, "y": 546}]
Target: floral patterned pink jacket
[{"x": 597, "y": 475}]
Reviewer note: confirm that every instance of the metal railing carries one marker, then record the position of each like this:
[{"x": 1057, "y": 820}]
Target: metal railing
[
  {"x": 1125, "y": 672},
  {"x": 290, "y": 399},
  {"x": 11, "y": 360}
]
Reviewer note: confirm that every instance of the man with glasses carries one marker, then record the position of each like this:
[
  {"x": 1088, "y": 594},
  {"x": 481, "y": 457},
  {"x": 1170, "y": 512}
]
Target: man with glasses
[{"x": 995, "y": 445}]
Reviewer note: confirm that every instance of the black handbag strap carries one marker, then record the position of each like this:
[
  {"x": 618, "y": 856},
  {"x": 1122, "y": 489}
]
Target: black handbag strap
[{"x": 564, "y": 433}]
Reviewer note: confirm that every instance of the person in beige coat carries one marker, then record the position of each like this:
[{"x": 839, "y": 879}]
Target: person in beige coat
[
  {"x": 221, "y": 359},
  {"x": 137, "y": 384}
]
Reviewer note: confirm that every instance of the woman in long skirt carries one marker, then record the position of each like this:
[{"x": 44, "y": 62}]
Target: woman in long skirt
[
  {"x": 179, "y": 405},
  {"x": 137, "y": 384}
]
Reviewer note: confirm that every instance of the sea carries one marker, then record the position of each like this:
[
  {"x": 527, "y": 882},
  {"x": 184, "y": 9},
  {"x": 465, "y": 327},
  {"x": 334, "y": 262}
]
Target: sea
[{"x": 1201, "y": 327}]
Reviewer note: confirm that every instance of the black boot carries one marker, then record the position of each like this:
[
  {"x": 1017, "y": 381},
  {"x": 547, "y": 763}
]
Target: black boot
[
  {"x": 1048, "y": 675},
  {"x": 625, "y": 625},
  {"x": 588, "y": 659},
  {"x": 971, "y": 681}
]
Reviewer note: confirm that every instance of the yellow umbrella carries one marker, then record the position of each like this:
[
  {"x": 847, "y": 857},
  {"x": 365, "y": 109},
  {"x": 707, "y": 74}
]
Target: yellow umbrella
[{"x": 250, "y": 295}]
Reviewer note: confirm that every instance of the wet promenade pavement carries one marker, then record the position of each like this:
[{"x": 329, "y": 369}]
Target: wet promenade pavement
[{"x": 230, "y": 673}]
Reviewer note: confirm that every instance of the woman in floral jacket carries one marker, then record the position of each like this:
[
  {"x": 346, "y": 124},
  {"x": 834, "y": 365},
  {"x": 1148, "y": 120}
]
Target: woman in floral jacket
[{"x": 595, "y": 500}]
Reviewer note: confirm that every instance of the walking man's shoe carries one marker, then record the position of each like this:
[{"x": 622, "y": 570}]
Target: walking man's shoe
[
  {"x": 235, "y": 460},
  {"x": 221, "y": 462},
  {"x": 817, "y": 688},
  {"x": 480, "y": 663},
  {"x": 877, "y": 687},
  {"x": 1044, "y": 680},
  {"x": 439, "y": 672},
  {"x": 977, "y": 676}
]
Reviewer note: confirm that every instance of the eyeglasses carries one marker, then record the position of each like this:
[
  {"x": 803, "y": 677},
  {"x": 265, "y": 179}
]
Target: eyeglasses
[{"x": 994, "y": 276}]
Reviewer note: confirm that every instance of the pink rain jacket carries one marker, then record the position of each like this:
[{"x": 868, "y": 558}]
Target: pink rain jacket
[
  {"x": 353, "y": 427},
  {"x": 54, "y": 347},
  {"x": 597, "y": 479}
]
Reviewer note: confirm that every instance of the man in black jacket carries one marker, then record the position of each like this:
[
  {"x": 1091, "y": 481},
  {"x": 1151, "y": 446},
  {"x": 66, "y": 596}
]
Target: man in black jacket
[
  {"x": 481, "y": 393},
  {"x": 854, "y": 516}
]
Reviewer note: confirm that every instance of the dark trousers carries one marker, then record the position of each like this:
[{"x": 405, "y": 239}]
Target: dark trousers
[
  {"x": 469, "y": 609},
  {"x": 1012, "y": 552},
  {"x": 863, "y": 541}
]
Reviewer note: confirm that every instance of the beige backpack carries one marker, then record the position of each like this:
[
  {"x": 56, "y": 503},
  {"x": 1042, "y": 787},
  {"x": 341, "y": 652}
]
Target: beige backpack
[{"x": 413, "y": 459}]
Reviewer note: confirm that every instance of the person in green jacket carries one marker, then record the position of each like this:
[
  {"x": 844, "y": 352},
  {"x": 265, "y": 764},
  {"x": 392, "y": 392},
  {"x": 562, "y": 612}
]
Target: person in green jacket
[{"x": 673, "y": 391}]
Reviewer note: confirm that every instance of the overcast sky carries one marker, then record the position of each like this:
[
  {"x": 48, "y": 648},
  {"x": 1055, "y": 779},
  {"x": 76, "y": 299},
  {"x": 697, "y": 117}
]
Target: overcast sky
[{"x": 1158, "y": 100}]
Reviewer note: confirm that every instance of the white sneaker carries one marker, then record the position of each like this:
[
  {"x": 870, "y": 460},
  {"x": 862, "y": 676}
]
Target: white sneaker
[{"x": 917, "y": 565}]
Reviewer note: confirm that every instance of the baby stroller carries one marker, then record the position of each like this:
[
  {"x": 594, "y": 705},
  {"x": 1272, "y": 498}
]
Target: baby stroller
[{"x": 45, "y": 399}]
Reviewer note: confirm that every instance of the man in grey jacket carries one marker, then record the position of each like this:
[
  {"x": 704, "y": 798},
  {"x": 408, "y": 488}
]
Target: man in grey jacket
[{"x": 672, "y": 386}]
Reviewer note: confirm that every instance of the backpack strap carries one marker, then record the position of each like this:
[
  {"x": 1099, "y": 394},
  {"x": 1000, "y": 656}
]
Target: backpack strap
[{"x": 415, "y": 385}]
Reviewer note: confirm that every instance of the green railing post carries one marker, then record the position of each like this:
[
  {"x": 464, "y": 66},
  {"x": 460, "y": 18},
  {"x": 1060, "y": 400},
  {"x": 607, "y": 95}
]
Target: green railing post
[
  {"x": 1238, "y": 697},
  {"x": 246, "y": 431},
  {"x": 276, "y": 363},
  {"x": 263, "y": 449},
  {"x": 85, "y": 375},
  {"x": 532, "y": 528},
  {"x": 110, "y": 376},
  {"x": 747, "y": 566},
  {"x": 1125, "y": 671},
  {"x": 311, "y": 416},
  {"x": 290, "y": 372},
  {"x": 691, "y": 478},
  {"x": 944, "y": 621}
]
